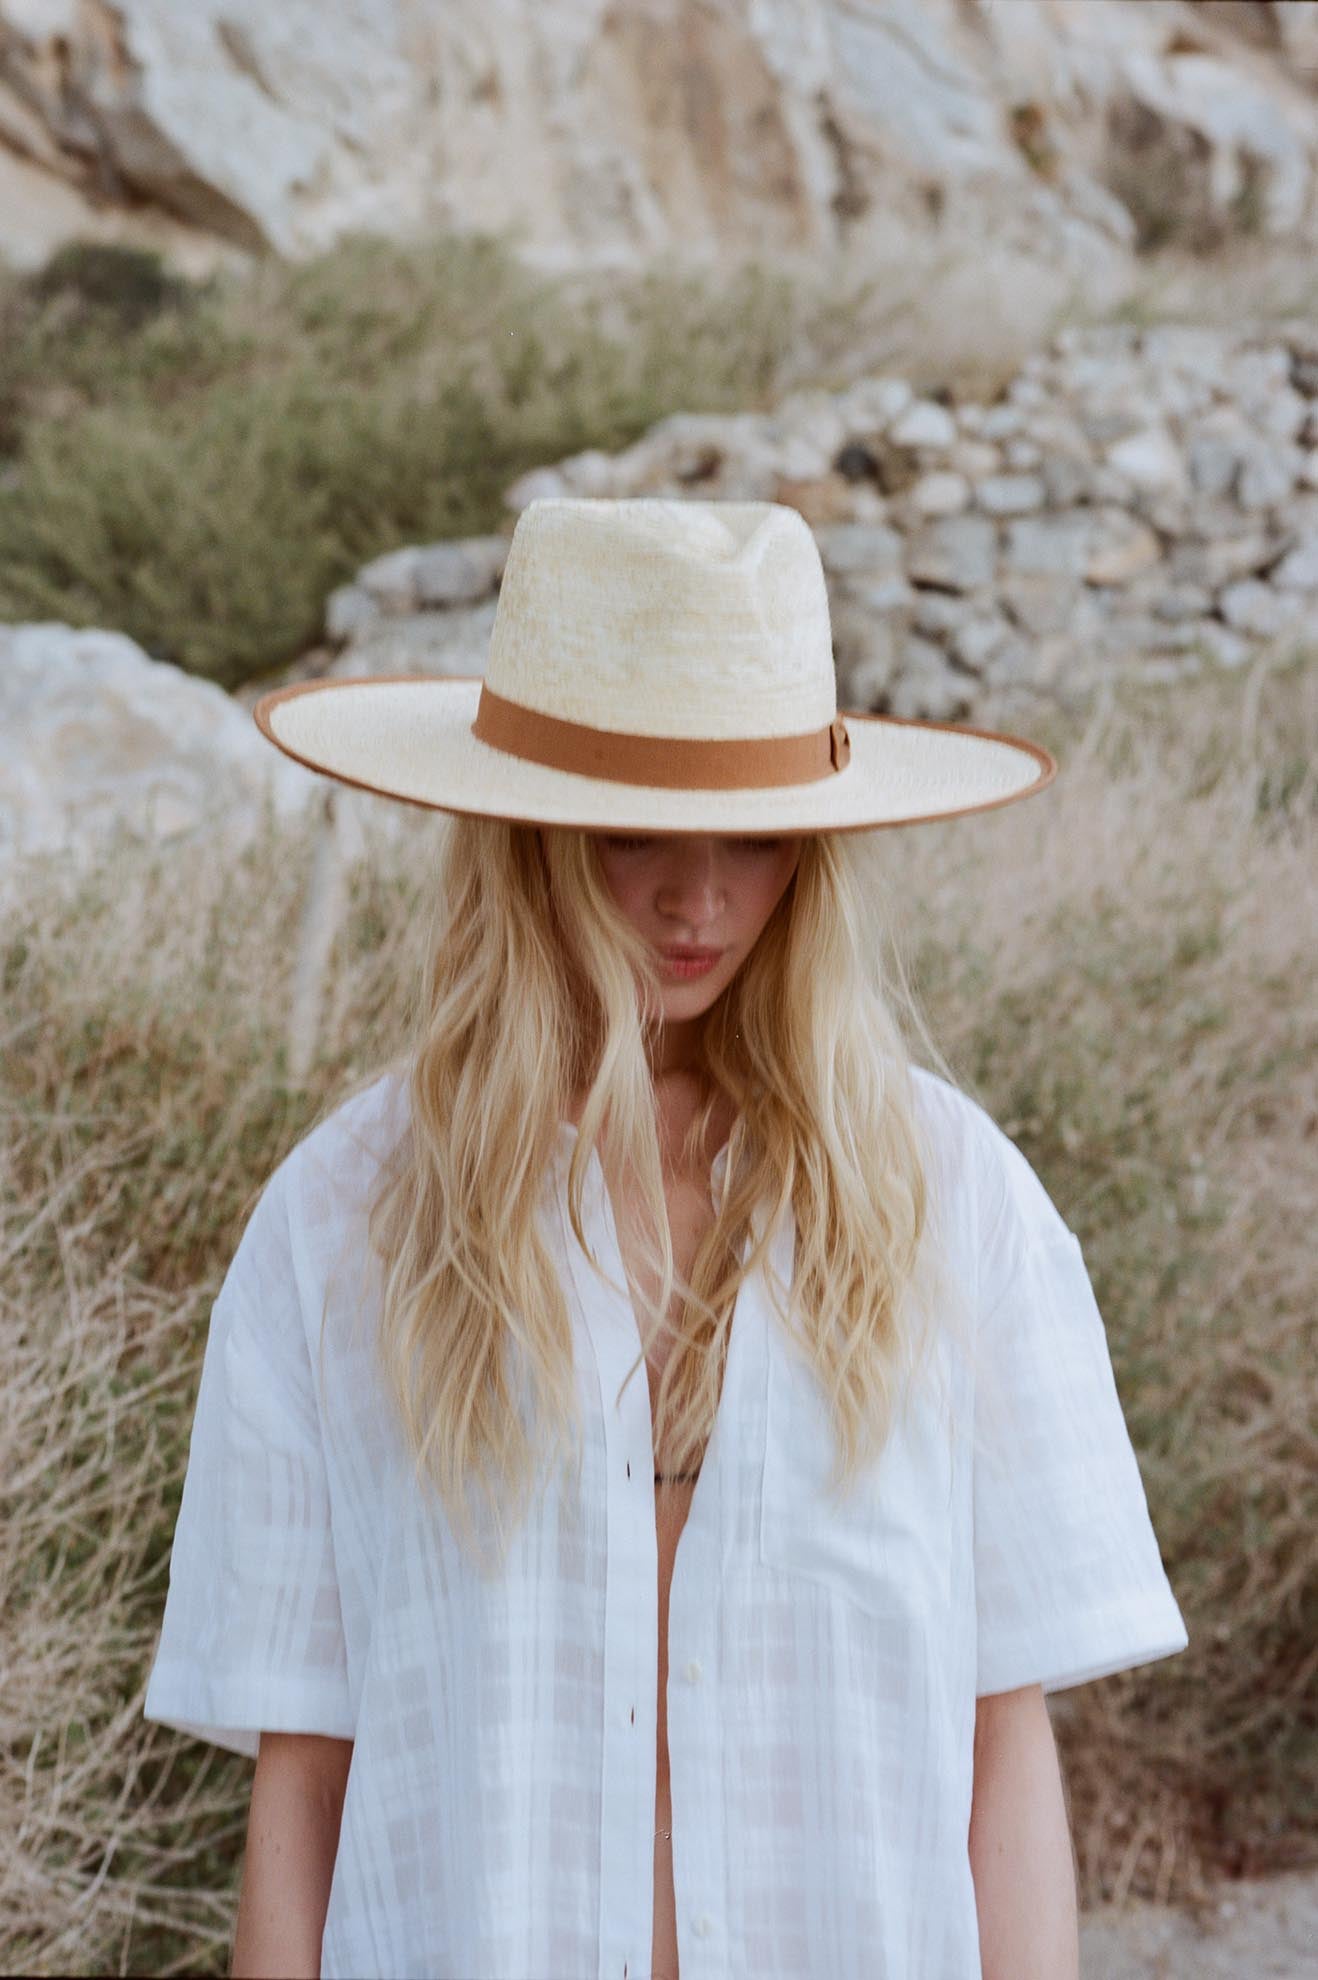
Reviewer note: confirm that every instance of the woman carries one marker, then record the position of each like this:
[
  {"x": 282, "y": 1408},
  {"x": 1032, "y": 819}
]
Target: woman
[{"x": 517, "y": 1710}]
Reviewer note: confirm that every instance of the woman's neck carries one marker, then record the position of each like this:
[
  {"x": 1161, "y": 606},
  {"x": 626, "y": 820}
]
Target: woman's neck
[{"x": 675, "y": 1051}]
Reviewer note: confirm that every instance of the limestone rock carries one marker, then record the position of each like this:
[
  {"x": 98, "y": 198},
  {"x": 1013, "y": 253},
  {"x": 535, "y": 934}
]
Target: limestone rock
[
  {"x": 420, "y": 576},
  {"x": 1022, "y": 452},
  {"x": 1268, "y": 472},
  {"x": 1218, "y": 560},
  {"x": 976, "y": 643},
  {"x": 1181, "y": 601},
  {"x": 1149, "y": 459},
  {"x": 1040, "y": 601},
  {"x": 937, "y": 613},
  {"x": 924, "y": 424},
  {"x": 821, "y": 499},
  {"x": 1066, "y": 480},
  {"x": 859, "y": 549},
  {"x": 349, "y": 610},
  {"x": 1238, "y": 125},
  {"x": 703, "y": 127},
  {"x": 975, "y": 459},
  {"x": 941, "y": 493},
  {"x": 1298, "y": 570},
  {"x": 926, "y": 686},
  {"x": 460, "y": 573},
  {"x": 448, "y": 643},
  {"x": 1214, "y": 457},
  {"x": 1056, "y": 544},
  {"x": 956, "y": 553},
  {"x": 96, "y": 738},
  {"x": 1122, "y": 547},
  {"x": 1224, "y": 647},
  {"x": 1011, "y": 494},
  {"x": 1253, "y": 607}
]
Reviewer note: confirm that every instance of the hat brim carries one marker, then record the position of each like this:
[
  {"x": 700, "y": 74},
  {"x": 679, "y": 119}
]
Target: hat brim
[{"x": 409, "y": 737}]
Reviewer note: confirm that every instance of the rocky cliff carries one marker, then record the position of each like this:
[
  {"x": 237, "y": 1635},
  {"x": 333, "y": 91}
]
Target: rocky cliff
[{"x": 601, "y": 130}]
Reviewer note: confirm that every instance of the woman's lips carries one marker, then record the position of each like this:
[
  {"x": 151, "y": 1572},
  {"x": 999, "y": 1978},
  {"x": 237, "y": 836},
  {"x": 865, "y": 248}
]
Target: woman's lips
[{"x": 690, "y": 962}]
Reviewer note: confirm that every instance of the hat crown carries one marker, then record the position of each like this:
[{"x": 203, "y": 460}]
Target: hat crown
[{"x": 665, "y": 618}]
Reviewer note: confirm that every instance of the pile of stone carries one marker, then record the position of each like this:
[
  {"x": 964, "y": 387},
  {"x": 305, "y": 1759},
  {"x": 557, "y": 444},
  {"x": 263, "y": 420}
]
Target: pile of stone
[{"x": 1138, "y": 501}]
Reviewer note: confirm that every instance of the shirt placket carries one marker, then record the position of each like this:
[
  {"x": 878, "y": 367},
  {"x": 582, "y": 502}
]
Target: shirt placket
[
  {"x": 631, "y": 1609},
  {"x": 696, "y": 1719},
  {"x": 631, "y": 1629},
  {"x": 695, "y": 1747}
]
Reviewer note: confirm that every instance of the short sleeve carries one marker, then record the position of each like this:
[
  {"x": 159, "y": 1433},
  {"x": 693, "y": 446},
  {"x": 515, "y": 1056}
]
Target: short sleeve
[
  {"x": 1069, "y": 1582},
  {"x": 252, "y": 1635}
]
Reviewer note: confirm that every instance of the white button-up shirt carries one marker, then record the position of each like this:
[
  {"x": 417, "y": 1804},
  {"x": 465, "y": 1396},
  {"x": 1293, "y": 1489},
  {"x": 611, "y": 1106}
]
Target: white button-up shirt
[{"x": 824, "y": 1660}]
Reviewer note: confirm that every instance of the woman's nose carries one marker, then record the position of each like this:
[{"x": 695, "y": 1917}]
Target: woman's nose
[{"x": 693, "y": 887}]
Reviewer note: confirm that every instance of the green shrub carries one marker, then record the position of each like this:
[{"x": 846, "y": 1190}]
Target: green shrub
[
  {"x": 202, "y": 482},
  {"x": 104, "y": 279}
]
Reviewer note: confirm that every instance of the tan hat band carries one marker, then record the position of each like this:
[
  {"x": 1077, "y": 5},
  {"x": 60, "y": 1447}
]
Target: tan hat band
[{"x": 669, "y": 762}]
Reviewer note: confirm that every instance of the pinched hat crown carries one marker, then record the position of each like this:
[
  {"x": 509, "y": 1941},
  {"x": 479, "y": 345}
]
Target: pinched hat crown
[
  {"x": 666, "y": 618},
  {"x": 666, "y": 644}
]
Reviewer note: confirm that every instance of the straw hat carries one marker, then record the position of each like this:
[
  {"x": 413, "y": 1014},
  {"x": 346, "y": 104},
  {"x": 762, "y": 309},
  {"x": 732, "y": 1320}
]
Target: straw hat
[{"x": 654, "y": 666}]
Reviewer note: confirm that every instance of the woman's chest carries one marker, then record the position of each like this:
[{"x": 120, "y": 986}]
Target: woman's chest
[{"x": 894, "y": 1547}]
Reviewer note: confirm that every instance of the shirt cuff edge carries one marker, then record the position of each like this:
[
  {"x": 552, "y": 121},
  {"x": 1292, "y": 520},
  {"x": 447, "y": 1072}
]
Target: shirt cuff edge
[
  {"x": 234, "y": 1709},
  {"x": 1081, "y": 1650}
]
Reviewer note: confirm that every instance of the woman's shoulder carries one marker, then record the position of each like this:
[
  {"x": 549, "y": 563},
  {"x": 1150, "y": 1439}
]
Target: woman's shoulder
[
  {"x": 980, "y": 1167},
  {"x": 361, "y": 1129},
  {"x": 959, "y": 1131},
  {"x": 330, "y": 1170}
]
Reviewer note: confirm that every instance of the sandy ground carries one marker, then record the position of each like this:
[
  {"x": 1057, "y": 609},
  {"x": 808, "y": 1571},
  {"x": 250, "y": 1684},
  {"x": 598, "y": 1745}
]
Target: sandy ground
[{"x": 1266, "y": 1930}]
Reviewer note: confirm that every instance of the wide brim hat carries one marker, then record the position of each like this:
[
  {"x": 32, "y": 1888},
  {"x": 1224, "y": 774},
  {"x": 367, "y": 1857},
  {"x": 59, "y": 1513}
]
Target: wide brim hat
[{"x": 654, "y": 666}]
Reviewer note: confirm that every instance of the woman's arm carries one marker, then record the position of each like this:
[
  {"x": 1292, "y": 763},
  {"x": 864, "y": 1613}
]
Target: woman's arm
[
  {"x": 292, "y": 1840},
  {"x": 1020, "y": 1843}
]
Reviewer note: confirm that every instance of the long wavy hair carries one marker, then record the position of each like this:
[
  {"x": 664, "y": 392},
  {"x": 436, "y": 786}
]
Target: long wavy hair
[{"x": 537, "y": 990}]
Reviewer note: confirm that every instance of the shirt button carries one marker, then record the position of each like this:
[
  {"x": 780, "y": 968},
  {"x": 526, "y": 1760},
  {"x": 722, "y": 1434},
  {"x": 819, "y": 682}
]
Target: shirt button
[
  {"x": 693, "y": 1672},
  {"x": 704, "y": 1926}
]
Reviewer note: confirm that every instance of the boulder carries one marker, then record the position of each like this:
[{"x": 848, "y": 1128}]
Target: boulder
[{"x": 98, "y": 739}]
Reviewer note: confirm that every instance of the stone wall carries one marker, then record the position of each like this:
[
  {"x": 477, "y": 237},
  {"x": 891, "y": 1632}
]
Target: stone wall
[{"x": 1136, "y": 503}]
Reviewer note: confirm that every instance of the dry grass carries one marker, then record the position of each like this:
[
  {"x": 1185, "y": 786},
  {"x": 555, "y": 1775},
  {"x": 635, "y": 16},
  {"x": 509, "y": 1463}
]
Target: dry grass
[
  {"x": 1133, "y": 1009},
  {"x": 1131, "y": 1006}
]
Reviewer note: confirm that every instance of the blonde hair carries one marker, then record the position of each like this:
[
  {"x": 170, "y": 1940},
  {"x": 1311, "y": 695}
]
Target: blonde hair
[{"x": 536, "y": 988}]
